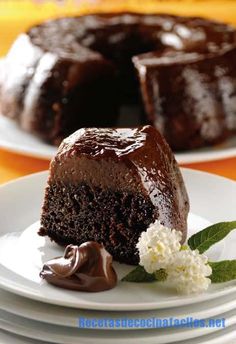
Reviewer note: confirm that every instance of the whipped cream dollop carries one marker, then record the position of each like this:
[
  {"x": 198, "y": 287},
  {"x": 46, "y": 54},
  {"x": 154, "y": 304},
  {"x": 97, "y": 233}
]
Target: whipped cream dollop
[{"x": 87, "y": 267}]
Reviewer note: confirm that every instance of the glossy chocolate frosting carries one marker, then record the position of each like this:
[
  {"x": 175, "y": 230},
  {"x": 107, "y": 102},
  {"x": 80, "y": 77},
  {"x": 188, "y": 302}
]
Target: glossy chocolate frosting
[
  {"x": 132, "y": 160},
  {"x": 118, "y": 36},
  {"x": 87, "y": 267},
  {"x": 75, "y": 72}
]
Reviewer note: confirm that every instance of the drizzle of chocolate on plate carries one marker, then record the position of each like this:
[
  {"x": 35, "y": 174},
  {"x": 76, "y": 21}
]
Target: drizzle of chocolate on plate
[{"x": 87, "y": 267}]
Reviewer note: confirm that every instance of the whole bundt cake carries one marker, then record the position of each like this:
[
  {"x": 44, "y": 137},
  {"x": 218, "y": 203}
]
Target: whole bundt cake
[
  {"x": 108, "y": 185},
  {"x": 179, "y": 72}
]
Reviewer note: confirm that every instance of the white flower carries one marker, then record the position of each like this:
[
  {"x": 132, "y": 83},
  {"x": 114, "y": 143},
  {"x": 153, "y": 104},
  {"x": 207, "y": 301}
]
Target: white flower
[
  {"x": 188, "y": 271},
  {"x": 157, "y": 245}
]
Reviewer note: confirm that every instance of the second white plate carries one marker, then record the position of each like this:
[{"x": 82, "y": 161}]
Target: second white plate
[
  {"x": 65, "y": 335},
  {"x": 226, "y": 336},
  {"x": 65, "y": 316},
  {"x": 16, "y": 140}
]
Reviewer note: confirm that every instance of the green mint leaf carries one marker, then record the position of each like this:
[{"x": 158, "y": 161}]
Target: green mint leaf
[
  {"x": 223, "y": 271},
  {"x": 139, "y": 274},
  {"x": 210, "y": 236}
]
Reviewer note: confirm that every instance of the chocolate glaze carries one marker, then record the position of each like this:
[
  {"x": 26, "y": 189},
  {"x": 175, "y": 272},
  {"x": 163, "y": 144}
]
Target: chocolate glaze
[
  {"x": 134, "y": 160},
  {"x": 53, "y": 71},
  {"x": 201, "y": 85},
  {"x": 87, "y": 267}
]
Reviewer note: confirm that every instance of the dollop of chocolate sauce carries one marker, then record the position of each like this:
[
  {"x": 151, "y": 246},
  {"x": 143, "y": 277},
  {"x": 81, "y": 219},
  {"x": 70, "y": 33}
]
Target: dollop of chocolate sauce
[{"x": 87, "y": 267}]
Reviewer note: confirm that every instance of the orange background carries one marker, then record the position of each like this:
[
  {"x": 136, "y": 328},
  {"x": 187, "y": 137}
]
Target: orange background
[{"x": 16, "y": 16}]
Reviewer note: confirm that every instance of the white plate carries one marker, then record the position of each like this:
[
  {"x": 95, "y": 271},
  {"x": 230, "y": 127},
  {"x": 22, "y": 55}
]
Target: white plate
[
  {"x": 212, "y": 198},
  {"x": 224, "y": 150},
  {"x": 66, "y": 316},
  {"x": 14, "y": 139},
  {"x": 64, "y": 335},
  {"x": 227, "y": 336}
]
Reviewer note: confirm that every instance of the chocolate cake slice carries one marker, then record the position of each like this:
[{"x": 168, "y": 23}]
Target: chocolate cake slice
[{"x": 108, "y": 185}]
